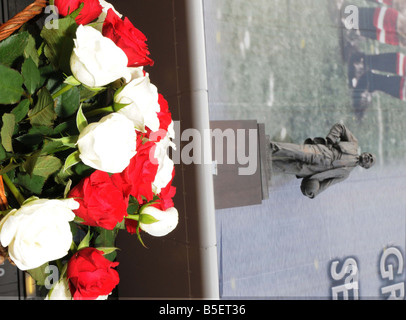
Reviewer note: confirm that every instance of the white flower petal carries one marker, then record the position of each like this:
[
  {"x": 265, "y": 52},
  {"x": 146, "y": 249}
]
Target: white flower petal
[
  {"x": 108, "y": 145},
  {"x": 167, "y": 221},
  {"x": 38, "y": 232},
  {"x": 96, "y": 60},
  {"x": 142, "y": 99}
]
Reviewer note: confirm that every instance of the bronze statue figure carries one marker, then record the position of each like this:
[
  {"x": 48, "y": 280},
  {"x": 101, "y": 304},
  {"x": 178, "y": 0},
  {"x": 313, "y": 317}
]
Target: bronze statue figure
[{"x": 321, "y": 162}]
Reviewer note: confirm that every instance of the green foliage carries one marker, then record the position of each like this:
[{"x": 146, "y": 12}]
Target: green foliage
[
  {"x": 81, "y": 121},
  {"x": 71, "y": 160},
  {"x": 20, "y": 111},
  {"x": 43, "y": 114},
  {"x": 14, "y": 48},
  {"x": 31, "y": 75},
  {"x": 42, "y": 166},
  {"x": 7, "y": 131},
  {"x": 59, "y": 43},
  {"x": 68, "y": 103},
  {"x": 106, "y": 239},
  {"x": 11, "y": 83}
]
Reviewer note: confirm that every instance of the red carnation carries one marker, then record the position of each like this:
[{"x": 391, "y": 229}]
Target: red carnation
[
  {"x": 91, "y": 275},
  {"x": 91, "y": 9},
  {"x": 103, "y": 203},
  {"x": 131, "y": 40}
]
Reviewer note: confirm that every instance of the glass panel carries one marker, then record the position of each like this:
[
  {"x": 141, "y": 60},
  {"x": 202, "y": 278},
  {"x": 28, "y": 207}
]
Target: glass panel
[{"x": 291, "y": 64}]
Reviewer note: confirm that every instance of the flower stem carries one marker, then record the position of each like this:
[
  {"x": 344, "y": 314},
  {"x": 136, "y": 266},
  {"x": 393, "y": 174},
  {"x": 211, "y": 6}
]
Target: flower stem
[
  {"x": 62, "y": 91},
  {"x": 13, "y": 189},
  {"x": 135, "y": 217}
]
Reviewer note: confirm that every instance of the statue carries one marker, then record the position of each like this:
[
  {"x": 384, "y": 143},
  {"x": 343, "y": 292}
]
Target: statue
[{"x": 321, "y": 162}]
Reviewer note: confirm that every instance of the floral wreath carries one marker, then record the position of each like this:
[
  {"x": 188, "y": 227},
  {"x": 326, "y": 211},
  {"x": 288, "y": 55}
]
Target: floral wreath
[{"x": 84, "y": 148}]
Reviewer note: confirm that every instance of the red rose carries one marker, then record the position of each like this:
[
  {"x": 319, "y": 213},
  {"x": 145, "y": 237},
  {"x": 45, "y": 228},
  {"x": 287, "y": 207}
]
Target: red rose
[
  {"x": 165, "y": 117},
  {"x": 91, "y": 9},
  {"x": 131, "y": 40},
  {"x": 91, "y": 275},
  {"x": 102, "y": 202},
  {"x": 141, "y": 171}
]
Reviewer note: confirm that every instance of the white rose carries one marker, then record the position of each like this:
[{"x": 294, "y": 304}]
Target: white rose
[
  {"x": 141, "y": 98},
  {"x": 60, "y": 291},
  {"x": 165, "y": 164},
  {"x": 96, "y": 60},
  {"x": 38, "y": 232},
  {"x": 108, "y": 145},
  {"x": 167, "y": 221}
]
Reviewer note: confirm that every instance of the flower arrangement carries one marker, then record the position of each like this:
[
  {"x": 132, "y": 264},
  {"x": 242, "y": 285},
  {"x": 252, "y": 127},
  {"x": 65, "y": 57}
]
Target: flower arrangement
[{"x": 84, "y": 148}]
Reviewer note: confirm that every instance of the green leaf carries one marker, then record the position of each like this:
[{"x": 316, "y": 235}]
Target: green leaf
[
  {"x": 35, "y": 136},
  {"x": 71, "y": 160},
  {"x": 39, "y": 274},
  {"x": 86, "y": 94},
  {"x": 81, "y": 121},
  {"x": 32, "y": 183},
  {"x": 79, "y": 220},
  {"x": 86, "y": 241},
  {"x": 67, "y": 188},
  {"x": 60, "y": 42},
  {"x": 3, "y": 154},
  {"x": 42, "y": 166},
  {"x": 147, "y": 219},
  {"x": 62, "y": 128},
  {"x": 12, "y": 48},
  {"x": 48, "y": 76},
  {"x": 56, "y": 145},
  {"x": 63, "y": 176},
  {"x": 21, "y": 110},
  {"x": 7, "y": 131},
  {"x": 107, "y": 250},
  {"x": 71, "y": 80},
  {"x": 31, "y": 75},
  {"x": 31, "y": 140},
  {"x": 132, "y": 208},
  {"x": 68, "y": 103},
  {"x": 11, "y": 85},
  {"x": 107, "y": 239},
  {"x": 30, "y": 51},
  {"x": 43, "y": 113}
]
